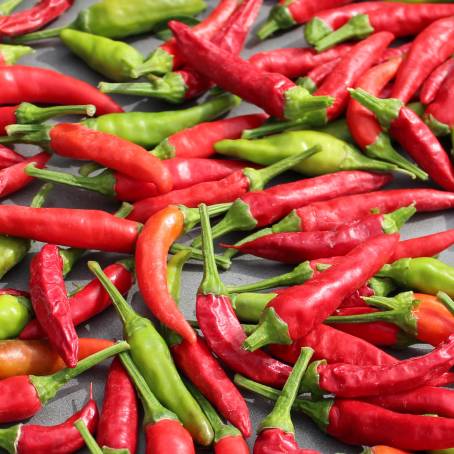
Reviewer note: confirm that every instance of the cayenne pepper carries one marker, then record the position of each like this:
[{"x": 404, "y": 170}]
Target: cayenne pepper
[
  {"x": 435, "y": 80},
  {"x": 9, "y": 157}
]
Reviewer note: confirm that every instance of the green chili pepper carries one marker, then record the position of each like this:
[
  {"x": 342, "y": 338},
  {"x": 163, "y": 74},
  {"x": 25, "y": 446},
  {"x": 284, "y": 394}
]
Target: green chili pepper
[
  {"x": 425, "y": 274},
  {"x": 8, "y": 6},
  {"x": 15, "y": 313},
  {"x": 11, "y": 54},
  {"x": 152, "y": 357},
  {"x": 150, "y": 128},
  {"x": 114, "y": 59},
  {"x": 335, "y": 154},
  {"x": 121, "y": 18}
]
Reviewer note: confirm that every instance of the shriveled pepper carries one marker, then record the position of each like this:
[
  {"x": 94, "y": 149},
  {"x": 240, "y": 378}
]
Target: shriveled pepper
[
  {"x": 158, "y": 370},
  {"x": 24, "y": 395},
  {"x": 435, "y": 81},
  {"x": 9, "y": 54},
  {"x": 295, "y": 311}
]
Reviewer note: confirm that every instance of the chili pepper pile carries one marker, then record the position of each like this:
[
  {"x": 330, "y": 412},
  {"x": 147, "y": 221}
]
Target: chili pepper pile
[{"x": 341, "y": 146}]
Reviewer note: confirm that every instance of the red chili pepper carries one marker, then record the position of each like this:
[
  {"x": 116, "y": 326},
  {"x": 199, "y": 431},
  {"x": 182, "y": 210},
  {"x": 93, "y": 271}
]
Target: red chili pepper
[
  {"x": 90, "y": 300},
  {"x": 24, "y": 395},
  {"x": 295, "y": 311},
  {"x": 50, "y": 303},
  {"x": 335, "y": 213},
  {"x": 352, "y": 65},
  {"x": 430, "y": 49},
  {"x": 413, "y": 134},
  {"x": 44, "y": 86},
  {"x": 221, "y": 328},
  {"x": 9, "y": 157},
  {"x": 435, "y": 80},
  {"x": 401, "y": 20},
  {"x": 222, "y": 191},
  {"x": 13, "y": 178},
  {"x": 35, "y": 18},
  {"x": 198, "y": 141},
  {"x": 119, "y": 419},
  {"x": 84, "y": 229},
  {"x": 167, "y": 56},
  {"x": 276, "y": 94},
  {"x": 364, "y": 127},
  {"x": 295, "y": 62},
  {"x": 286, "y": 14},
  {"x": 64, "y": 437},
  {"x": 153, "y": 245},
  {"x": 296, "y": 247},
  {"x": 352, "y": 381},
  {"x": 315, "y": 77},
  {"x": 276, "y": 433}
]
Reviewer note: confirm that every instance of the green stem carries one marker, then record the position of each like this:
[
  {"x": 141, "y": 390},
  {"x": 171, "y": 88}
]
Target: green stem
[
  {"x": 221, "y": 430},
  {"x": 11, "y": 54},
  {"x": 280, "y": 417},
  {"x": 8, "y": 6},
  {"x": 41, "y": 196},
  {"x": 211, "y": 282},
  {"x": 88, "y": 438},
  {"x": 35, "y": 134},
  {"x": 247, "y": 328},
  {"x": 104, "y": 183},
  {"x": 154, "y": 410},
  {"x": 267, "y": 29},
  {"x": 298, "y": 275},
  {"x": 447, "y": 301},
  {"x": 249, "y": 306},
  {"x": 47, "y": 386},
  {"x": 393, "y": 222},
  {"x": 88, "y": 168},
  {"x": 197, "y": 254},
  {"x": 174, "y": 270},
  {"x": 192, "y": 215},
  {"x": 40, "y": 35},
  {"x": 124, "y": 211},
  {"x": 29, "y": 113},
  {"x": 70, "y": 256}
]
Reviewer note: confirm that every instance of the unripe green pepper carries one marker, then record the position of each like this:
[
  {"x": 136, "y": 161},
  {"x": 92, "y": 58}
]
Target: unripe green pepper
[{"x": 15, "y": 313}]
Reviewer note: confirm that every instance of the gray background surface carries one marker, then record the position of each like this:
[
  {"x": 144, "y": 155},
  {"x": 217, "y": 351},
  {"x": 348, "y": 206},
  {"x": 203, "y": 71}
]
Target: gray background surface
[{"x": 52, "y": 54}]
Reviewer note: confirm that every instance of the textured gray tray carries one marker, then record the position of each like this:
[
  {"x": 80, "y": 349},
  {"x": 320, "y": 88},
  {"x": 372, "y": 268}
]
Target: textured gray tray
[{"x": 52, "y": 54}]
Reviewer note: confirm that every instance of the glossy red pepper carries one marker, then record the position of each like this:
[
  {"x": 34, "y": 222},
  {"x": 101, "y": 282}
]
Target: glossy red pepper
[
  {"x": 435, "y": 80},
  {"x": 50, "y": 303},
  {"x": 118, "y": 423},
  {"x": 44, "y": 86},
  {"x": 315, "y": 77},
  {"x": 352, "y": 65},
  {"x": 89, "y": 300},
  {"x": 9, "y": 157},
  {"x": 401, "y": 20},
  {"x": 13, "y": 178},
  {"x": 294, "y": 62},
  {"x": 198, "y": 141},
  {"x": 274, "y": 93},
  {"x": 221, "y": 328},
  {"x": 85, "y": 229},
  {"x": 296, "y": 311},
  {"x": 430, "y": 49},
  {"x": 32, "y": 19}
]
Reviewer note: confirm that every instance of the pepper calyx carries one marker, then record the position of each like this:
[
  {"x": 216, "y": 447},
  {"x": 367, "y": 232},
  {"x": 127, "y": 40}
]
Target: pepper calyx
[
  {"x": 393, "y": 222},
  {"x": 165, "y": 150},
  {"x": 311, "y": 380},
  {"x": 298, "y": 102},
  {"x": 315, "y": 30},
  {"x": 159, "y": 62},
  {"x": 280, "y": 18}
]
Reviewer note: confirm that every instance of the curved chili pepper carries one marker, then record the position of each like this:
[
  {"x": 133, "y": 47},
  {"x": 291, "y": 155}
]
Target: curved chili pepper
[
  {"x": 276, "y": 433},
  {"x": 390, "y": 19},
  {"x": 31, "y": 438},
  {"x": 217, "y": 192},
  {"x": 15, "y": 312},
  {"x": 295, "y": 62},
  {"x": 10, "y": 54},
  {"x": 295, "y": 247},
  {"x": 9, "y": 157},
  {"x": 37, "y": 357},
  {"x": 13, "y": 178},
  {"x": 413, "y": 134},
  {"x": 50, "y": 303},
  {"x": 117, "y": 427},
  {"x": 29, "y": 20},
  {"x": 350, "y": 381},
  {"x": 430, "y": 49},
  {"x": 316, "y": 76},
  {"x": 260, "y": 208},
  {"x": 276, "y": 94},
  {"x": 227, "y": 439},
  {"x": 158, "y": 370},
  {"x": 184, "y": 172},
  {"x": 363, "y": 125},
  {"x": 221, "y": 328},
  {"x": 95, "y": 229},
  {"x": 352, "y": 65},
  {"x": 199, "y": 365},
  {"x": 167, "y": 57},
  {"x": 44, "y": 86},
  {"x": 26, "y": 113},
  {"x": 436, "y": 79},
  {"x": 287, "y": 14},
  {"x": 24, "y": 395},
  {"x": 198, "y": 141},
  {"x": 294, "y": 312},
  {"x": 89, "y": 300},
  {"x": 373, "y": 425}
]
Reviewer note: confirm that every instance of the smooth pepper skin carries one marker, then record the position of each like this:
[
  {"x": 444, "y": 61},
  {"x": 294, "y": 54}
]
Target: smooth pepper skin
[
  {"x": 168, "y": 435},
  {"x": 432, "y": 85},
  {"x": 231, "y": 445},
  {"x": 15, "y": 312},
  {"x": 275, "y": 441}
]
